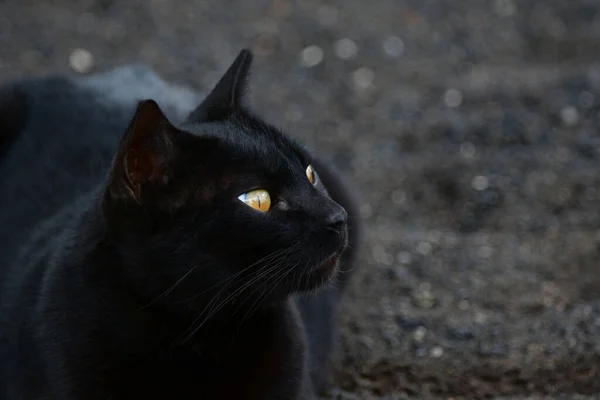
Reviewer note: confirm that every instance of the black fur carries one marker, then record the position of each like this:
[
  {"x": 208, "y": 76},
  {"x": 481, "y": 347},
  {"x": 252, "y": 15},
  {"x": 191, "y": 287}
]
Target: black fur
[
  {"x": 130, "y": 270},
  {"x": 13, "y": 103}
]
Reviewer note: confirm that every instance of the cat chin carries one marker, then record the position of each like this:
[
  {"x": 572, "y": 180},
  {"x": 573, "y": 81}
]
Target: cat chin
[{"x": 320, "y": 274}]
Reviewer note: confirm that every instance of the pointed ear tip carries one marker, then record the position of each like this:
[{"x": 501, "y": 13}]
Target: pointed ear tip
[
  {"x": 244, "y": 58},
  {"x": 246, "y": 53},
  {"x": 148, "y": 110},
  {"x": 149, "y": 105}
]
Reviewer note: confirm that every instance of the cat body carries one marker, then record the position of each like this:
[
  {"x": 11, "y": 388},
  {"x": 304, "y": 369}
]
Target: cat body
[{"x": 130, "y": 266}]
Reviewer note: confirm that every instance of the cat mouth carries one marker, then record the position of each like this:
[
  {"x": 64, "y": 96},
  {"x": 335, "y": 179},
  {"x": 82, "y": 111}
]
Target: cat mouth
[
  {"x": 328, "y": 263},
  {"x": 320, "y": 272}
]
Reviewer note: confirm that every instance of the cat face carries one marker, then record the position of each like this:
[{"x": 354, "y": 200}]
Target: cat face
[{"x": 225, "y": 199}]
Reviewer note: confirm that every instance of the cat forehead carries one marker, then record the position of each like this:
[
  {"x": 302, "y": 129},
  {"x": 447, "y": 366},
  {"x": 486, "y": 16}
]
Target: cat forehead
[{"x": 258, "y": 143}]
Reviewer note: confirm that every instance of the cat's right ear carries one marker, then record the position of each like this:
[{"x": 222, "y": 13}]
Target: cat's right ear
[
  {"x": 142, "y": 162},
  {"x": 227, "y": 95}
]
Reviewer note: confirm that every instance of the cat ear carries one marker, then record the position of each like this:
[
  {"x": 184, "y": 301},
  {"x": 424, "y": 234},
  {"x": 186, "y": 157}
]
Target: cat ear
[
  {"x": 227, "y": 95},
  {"x": 144, "y": 154}
]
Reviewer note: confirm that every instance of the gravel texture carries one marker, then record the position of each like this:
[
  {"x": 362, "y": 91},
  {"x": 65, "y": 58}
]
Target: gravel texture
[{"x": 470, "y": 131}]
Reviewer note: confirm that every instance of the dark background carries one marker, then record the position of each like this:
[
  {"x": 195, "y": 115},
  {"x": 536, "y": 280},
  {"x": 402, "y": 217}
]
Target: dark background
[{"x": 468, "y": 129}]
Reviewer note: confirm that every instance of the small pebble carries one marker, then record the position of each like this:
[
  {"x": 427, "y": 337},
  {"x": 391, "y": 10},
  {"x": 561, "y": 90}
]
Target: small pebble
[
  {"x": 467, "y": 150},
  {"x": 312, "y": 56},
  {"x": 381, "y": 256},
  {"x": 398, "y": 272},
  {"x": 453, "y": 98},
  {"x": 424, "y": 297},
  {"x": 436, "y": 352},
  {"x": 463, "y": 305},
  {"x": 419, "y": 334},
  {"x": 345, "y": 49},
  {"x": 424, "y": 248},
  {"x": 480, "y": 182},
  {"x": 378, "y": 251},
  {"x": 485, "y": 252},
  {"x": 399, "y": 197},
  {"x": 404, "y": 257},
  {"x": 363, "y": 78},
  {"x": 480, "y": 317},
  {"x": 569, "y": 116},
  {"x": 81, "y": 61},
  {"x": 393, "y": 46}
]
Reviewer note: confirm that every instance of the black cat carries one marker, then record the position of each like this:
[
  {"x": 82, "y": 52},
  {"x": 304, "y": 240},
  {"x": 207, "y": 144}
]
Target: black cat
[{"x": 164, "y": 265}]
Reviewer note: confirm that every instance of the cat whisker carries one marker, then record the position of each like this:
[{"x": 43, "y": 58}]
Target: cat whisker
[
  {"x": 213, "y": 307},
  {"x": 282, "y": 261},
  {"x": 212, "y": 304},
  {"x": 257, "y": 278},
  {"x": 234, "y": 276},
  {"x": 263, "y": 271},
  {"x": 295, "y": 282},
  {"x": 254, "y": 280},
  {"x": 170, "y": 289},
  {"x": 260, "y": 299},
  {"x": 347, "y": 271},
  {"x": 303, "y": 272},
  {"x": 267, "y": 286},
  {"x": 180, "y": 248},
  {"x": 269, "y": 260}
]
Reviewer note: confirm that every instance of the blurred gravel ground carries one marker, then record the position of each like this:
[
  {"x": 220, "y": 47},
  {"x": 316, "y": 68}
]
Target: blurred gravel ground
[{"x": 469, "y": 129}]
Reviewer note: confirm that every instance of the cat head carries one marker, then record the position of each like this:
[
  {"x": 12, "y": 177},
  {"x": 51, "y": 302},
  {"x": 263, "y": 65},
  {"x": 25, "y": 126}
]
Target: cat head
[{"x": 223, "y": 200}]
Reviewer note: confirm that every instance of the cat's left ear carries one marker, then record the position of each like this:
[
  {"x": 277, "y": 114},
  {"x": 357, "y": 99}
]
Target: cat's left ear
[
  {"x": 227, "y": 95},
  {"x": 144, "y": 157}
]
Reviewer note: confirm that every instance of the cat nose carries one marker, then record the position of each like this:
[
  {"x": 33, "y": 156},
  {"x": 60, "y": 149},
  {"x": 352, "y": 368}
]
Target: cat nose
[{"x": 337, "y": 220}]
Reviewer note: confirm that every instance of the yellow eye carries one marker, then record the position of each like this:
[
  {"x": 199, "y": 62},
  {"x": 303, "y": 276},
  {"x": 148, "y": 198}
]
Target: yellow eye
[
  {"x": 310, "y": 174},
  {"x": 258, "y": 199}
]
